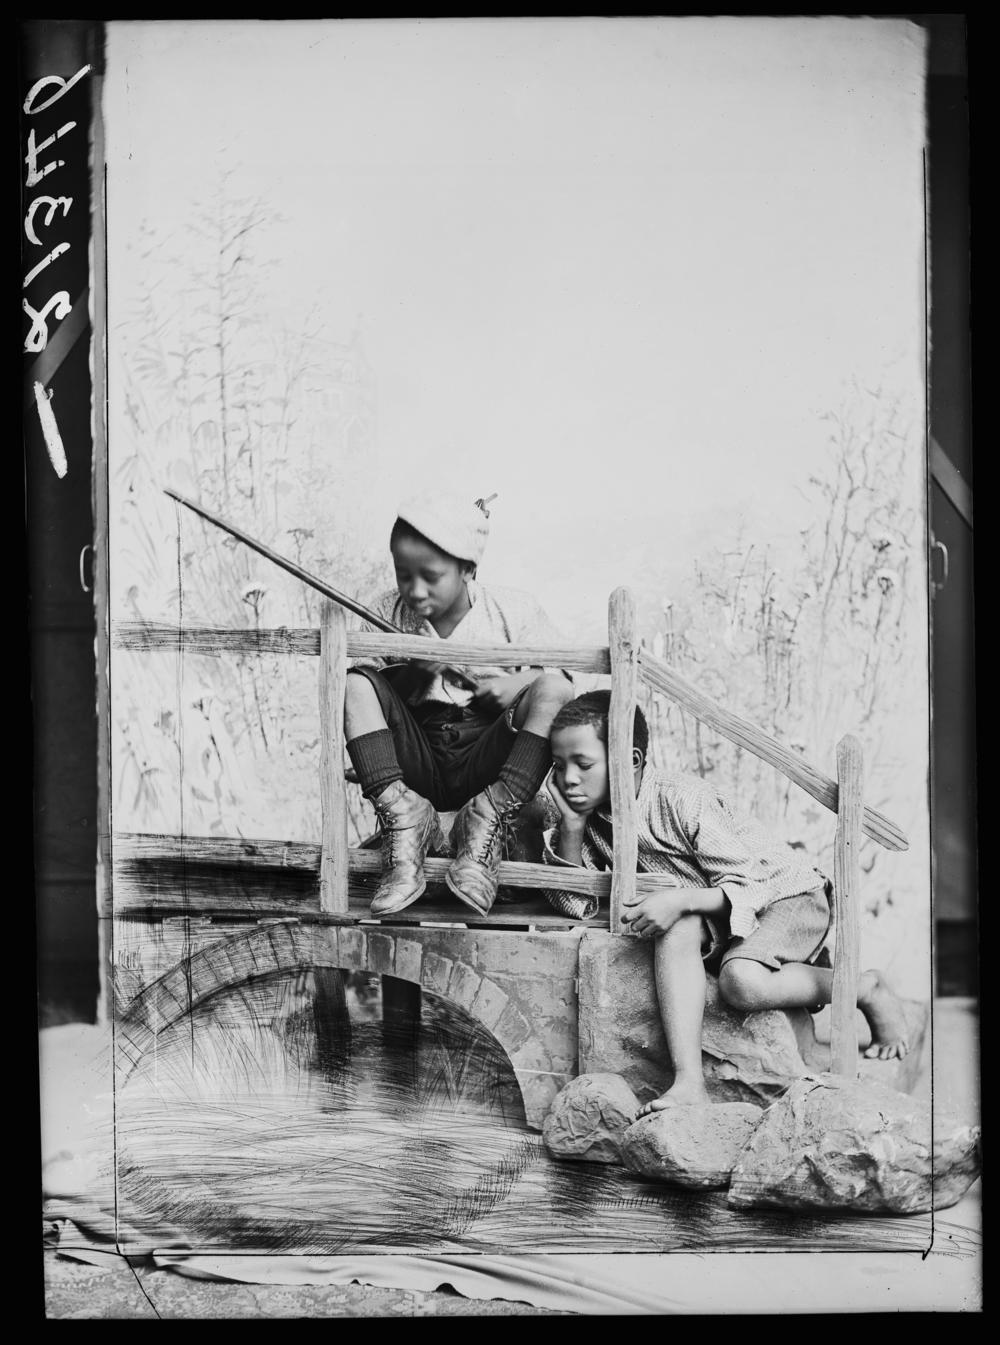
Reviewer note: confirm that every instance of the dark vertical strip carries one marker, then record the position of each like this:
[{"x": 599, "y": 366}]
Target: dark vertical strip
[
  {"x": 61, "y": 166},
  {"x": 59, "y": 61},
  {"x": 954, "y": 776}
]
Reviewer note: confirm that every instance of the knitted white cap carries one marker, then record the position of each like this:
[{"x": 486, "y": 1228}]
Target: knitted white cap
[{"x": 453, "y": 523}]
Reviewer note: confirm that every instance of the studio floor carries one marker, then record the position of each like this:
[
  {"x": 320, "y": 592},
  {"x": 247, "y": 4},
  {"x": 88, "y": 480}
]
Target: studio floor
[{"x": 108, "y": 1286}]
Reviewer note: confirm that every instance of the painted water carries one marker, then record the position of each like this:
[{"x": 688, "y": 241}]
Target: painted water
[{"x": 291, "y": 1116}]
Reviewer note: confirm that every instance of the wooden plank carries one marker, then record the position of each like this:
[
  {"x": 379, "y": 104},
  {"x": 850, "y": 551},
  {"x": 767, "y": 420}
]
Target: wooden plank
[
  {"x": 212, "y": 892},
  {"x": 332, "y": 788},
  {"x": 361, "y": 644},
  {"x": 623, "y": 640},
  {"x": 439, "y": 906},
  {"x": 512, "y": 873},
  {"x": 661, "y": 677},
  {"x": 270, "y": 859},
  {"x": 846, "y": 902},
  {"x": 215, "y": 640},
  {"x": 179, "y": 886},
  {"x": 151, "y": 848},
  {"x": 142, "y": 635},
  {"x": 521, "y": 875}
]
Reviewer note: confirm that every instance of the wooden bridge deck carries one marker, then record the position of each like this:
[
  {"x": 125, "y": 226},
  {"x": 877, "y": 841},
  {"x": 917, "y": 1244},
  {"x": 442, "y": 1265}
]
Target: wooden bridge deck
[{"x": 232, "y": 878}]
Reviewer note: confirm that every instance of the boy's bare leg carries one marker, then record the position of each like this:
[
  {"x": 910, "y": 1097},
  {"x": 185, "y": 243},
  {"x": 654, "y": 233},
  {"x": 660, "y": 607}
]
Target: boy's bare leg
[
  {"x": 750, "y": 986},
  {"x": 362, "y": 710},
  {"x": 680, "y": 991}
]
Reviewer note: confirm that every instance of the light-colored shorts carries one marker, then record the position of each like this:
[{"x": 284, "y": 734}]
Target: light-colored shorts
[{"x": 794, "y": 929}]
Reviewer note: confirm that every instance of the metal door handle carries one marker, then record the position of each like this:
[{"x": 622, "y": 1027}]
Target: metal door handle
[
  {"x": 83, "y": 556},
  {"x": 939, "y": 584}
]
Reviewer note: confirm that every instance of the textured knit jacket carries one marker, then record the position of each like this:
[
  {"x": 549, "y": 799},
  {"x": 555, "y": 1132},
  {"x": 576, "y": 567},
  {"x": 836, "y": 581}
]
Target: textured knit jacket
[{"x": 689, "y": 830}]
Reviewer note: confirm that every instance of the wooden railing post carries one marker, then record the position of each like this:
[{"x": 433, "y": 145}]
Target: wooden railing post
[
  {"x": 332, "y": 786},
  {"x": 846, "y": 899},
  {"x": 623, "y": 642}
]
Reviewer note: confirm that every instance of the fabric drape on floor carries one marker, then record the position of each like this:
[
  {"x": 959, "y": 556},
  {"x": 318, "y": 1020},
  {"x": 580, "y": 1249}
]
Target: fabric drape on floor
[{"x": 79, "y": 1212}]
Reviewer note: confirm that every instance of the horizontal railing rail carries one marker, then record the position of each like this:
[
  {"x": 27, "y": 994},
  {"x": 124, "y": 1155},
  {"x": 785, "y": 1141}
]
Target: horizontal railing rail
[
  {"x": 227, "y": 877},
  {"x": 305, "y": 857},
  {"x": 153, "y": 636},
  {"x": 138, "y": 635},
  {"x": 654, "y": 672}
]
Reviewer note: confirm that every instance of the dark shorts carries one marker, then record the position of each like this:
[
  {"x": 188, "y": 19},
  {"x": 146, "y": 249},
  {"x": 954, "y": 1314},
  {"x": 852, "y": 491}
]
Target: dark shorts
[
  {"x": 447, "y": 754},
  {"x": 794, "y": 929}
]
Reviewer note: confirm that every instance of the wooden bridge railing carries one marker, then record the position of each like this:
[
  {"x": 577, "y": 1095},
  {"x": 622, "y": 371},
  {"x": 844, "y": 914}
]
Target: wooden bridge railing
[
  {"x": 627, "y": 663},
  {"x": 623, "y": 658}
]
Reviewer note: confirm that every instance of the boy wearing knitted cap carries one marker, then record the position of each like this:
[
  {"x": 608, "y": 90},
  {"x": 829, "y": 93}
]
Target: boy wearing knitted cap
[{"x": 468, "y": 738}]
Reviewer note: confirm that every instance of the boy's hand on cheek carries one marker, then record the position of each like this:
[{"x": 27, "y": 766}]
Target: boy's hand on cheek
[{"x": 569, "y": 818}]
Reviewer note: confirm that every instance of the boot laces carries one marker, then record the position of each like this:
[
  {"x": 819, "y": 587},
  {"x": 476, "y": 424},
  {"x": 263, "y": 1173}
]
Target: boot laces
[
  {"x": 500, "y": 823},
  {"x": 497, "y": 824},
  {"x": 389, "y": 837},
  {"x": 388, "y": 843}
]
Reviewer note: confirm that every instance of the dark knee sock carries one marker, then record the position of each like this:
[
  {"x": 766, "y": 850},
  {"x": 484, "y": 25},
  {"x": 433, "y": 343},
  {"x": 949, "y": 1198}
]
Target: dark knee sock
[
  {"x": 527, "y": 766},
  {"x": 373, "y": 756}
]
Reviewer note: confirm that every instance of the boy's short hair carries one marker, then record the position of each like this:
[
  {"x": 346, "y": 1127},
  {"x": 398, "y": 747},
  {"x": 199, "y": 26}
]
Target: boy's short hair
[{"x": 592, "y": 708}]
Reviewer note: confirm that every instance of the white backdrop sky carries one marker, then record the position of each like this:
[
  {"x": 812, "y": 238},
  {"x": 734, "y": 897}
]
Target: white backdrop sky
[{"x": 614, "y": 269}]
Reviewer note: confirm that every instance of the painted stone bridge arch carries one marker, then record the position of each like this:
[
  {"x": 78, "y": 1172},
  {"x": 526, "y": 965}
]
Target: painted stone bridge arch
[{"x": 522, "y": 987}]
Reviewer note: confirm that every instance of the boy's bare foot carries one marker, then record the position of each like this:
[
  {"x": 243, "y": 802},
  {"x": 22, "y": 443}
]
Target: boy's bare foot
[
  {"x": 679, "y": 1094},
  {"x": 884, "y": 1012}
]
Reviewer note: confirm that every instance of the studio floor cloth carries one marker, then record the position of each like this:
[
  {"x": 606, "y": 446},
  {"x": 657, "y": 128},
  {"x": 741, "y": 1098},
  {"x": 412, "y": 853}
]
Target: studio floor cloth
[{"x": 79, "y": 1219}]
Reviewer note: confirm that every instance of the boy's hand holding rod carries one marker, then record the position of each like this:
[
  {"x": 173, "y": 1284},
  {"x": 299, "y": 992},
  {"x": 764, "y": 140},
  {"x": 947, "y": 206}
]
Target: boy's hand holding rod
[{"x": 351, "y": 604}]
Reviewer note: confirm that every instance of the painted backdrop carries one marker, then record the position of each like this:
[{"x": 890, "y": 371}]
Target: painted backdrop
[{"x": 657, "y": 282}]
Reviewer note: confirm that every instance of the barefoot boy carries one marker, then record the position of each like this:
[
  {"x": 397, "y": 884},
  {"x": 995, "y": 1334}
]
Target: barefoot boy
[
  {"x": 743, "y": 904},
  {"x": 427, "y": 737}
]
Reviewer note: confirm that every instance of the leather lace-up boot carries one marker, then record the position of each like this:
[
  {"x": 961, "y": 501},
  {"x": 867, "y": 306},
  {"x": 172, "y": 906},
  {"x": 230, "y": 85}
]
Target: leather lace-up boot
[
  {"x": 409, "y": 827},
  {"x": 478, "y": 836}
]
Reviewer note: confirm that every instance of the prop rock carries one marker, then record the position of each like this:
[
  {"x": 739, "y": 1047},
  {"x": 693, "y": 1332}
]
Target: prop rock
[
  {"x": 748, "y": 1057},
  {"x": 589, "y": 1117},
  {"x": 757, "y": 1051},
  {"x": 835, "y": 1143},
  {"x": 690, "y": 1145},
  {"x": 813, "y": 1031}
]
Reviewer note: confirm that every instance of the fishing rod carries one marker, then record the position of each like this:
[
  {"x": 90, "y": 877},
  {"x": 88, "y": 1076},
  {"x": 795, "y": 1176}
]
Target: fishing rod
[{"x": 284, "y": 563}]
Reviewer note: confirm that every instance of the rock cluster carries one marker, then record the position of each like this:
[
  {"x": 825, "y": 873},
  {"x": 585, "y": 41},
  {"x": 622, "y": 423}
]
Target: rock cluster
[
  {"x": 835, "y": 1143},
  {"x": 589, "y": 1118},
  {"x": 828, "y": 1143},
  {"x": 690, "y": 1146},
  {"x": 747, "y": 1057}
]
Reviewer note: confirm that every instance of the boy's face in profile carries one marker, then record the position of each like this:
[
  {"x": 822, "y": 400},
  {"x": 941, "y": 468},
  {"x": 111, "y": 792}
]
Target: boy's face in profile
[
  {"x": 580, "y": 767},
  {"x": 431, "y": 583}
]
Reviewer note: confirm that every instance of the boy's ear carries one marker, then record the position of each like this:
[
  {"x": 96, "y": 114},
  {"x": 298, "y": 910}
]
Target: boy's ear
[{"x": 638, "y": 758}]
